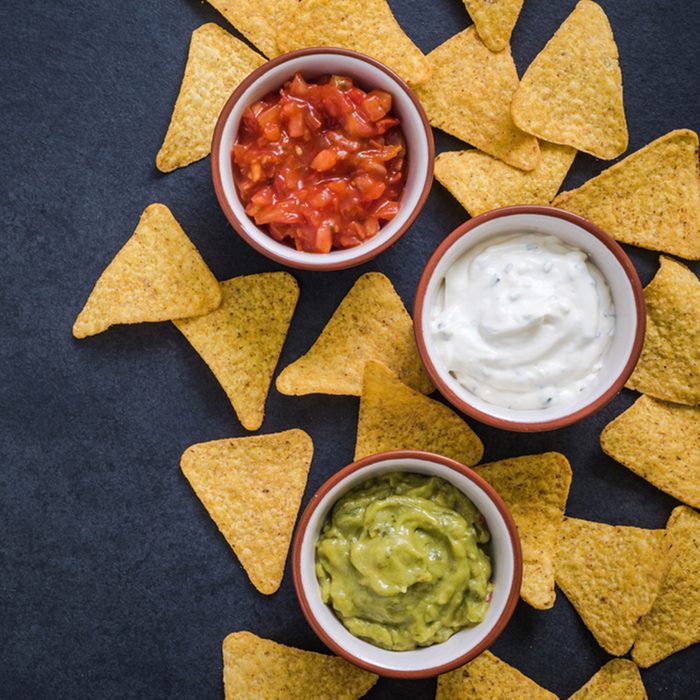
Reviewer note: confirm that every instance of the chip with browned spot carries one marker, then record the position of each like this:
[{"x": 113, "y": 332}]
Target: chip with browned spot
[
  {"x": 619, "y": 679},
  {"x": 252, "y": 488},
  {"x": 494, "y": 20}
]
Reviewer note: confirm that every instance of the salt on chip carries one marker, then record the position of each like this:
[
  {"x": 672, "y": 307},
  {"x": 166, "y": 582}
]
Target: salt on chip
[
  {"x": 619, "y": 679},
  {"x": 494, "y": 20},
  {"x": 260, "y": 669},
  {"x": 216, "y": 64},
  {"x": 469, "y": 95},
  {"x": 252, "y": 488},
  {"x": 650, "y": 199},
  {"x": 367, "y": 26},
  {"x": 659, "y": 441},
  {"x": 487, "y": 677},
  {"x": 673, "y": 623},
  {"x": 371, "y": 323},
  {"x": 241, "y": 341},
  {"x": 572, "y": 92},
  {"x": 480, "y": 182},
  {"x": 158, "y": 275},
  {"x": 395, "y": 417},
  {"x": 669, "y": 366},
  {"x": 611, "y": 574},
  {"x": 535, "y": 489}
]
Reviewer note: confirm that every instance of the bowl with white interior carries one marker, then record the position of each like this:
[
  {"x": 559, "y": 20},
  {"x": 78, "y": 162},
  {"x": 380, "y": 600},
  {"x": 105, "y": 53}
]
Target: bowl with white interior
[
  {"x": 504, "y": 551},
  {"x": 368, "y": 74},
  {"x": 621, "y": 354}
]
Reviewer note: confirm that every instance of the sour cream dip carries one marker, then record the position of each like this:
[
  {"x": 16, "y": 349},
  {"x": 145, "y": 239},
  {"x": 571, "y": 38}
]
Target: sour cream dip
[{"x": 524, "y": 321}]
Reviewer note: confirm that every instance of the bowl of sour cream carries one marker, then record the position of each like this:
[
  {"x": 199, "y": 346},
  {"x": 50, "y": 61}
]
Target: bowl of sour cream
[{"x": 529, "y": 318}]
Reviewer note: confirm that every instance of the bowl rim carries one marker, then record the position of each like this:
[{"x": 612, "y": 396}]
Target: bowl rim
[
  {"x": 236, "y": 222},
  {"x": 570, "y": 418},
  {"x": 493, "y": 495}
]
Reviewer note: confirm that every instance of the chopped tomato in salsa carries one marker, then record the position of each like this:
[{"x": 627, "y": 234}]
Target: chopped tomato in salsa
[{"x": 321, "y": 164}]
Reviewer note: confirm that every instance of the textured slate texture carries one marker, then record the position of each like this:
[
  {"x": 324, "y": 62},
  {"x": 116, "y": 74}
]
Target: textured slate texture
[{"x": 114, "y": 583}]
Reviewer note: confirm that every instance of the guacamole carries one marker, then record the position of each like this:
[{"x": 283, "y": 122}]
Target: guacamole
[{"x": 401, "y": 561}]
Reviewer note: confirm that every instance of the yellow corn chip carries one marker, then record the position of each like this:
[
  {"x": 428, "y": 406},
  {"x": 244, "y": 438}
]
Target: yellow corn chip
[
  {"x": 216, "y": 64},
  {"x": 611, "y": 574},
  {"x": 494, "y": 20},
  {"x": 488, "y": 678},
  {"x": 260, "y": 669},
  {"x": 241, "y": 341},
  {"x": 367, "y": 26},
  {"x": 158, "y": 275},
  {"x": 395, "y": 417},
  {"x": 669, "y": 367},
  {"x": 535, "y": 489},
  {"x": 481, "y": 183},
  {"x": 371, "y": 323},
  {"x": 673, "y": 623},
  {"x": 619, "y": 679},
  {"x": 252, "y": 488},
  {"x": 469, "y": 96},
  {"x": 660, "y": 442},
  {"x": 650, "y": 199},
  {"x": 572, "y": 92}
]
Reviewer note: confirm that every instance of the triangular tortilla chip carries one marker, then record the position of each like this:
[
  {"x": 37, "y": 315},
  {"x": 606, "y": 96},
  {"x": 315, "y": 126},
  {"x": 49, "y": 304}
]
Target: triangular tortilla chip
[
  {"x": 158, "y": 275},
  {"x": 486, "y": 678},
  {"x": 469, "y": 96},
  {"x": 395, "y": 417},
  {"x": 572, "y": 92},
  {"x": 371, "y": 323},
  {"x": 480, "y": 182},
  {"x": 669, "y": 366},
  {"x": 494, "y": 20},
  {"x": 367, "y": 26},
  {"x": 673, "y": 623},
  {"x": 619, "y": 679},
  {"x": 217, "y": 62},
  {"x": 241, "y": 341},
  {"x": 660, "y": 442},
  {"x": 260, "y": 669},
  {"x": 611, "y": 574},
  {"x": 535, "y": 489},
  {"x": 650, "y": 199},
  {"x": 252, "y": 488}
]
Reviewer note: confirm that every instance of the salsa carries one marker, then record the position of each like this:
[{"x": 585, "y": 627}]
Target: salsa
[{"x": 320, "y": 164}]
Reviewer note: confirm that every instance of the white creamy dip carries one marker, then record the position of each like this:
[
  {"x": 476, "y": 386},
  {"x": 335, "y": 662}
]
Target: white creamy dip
[{"x": 524, "y": 321}]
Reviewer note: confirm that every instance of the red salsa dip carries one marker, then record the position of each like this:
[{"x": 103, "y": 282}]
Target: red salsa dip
[{"x": 320, "y": 164}]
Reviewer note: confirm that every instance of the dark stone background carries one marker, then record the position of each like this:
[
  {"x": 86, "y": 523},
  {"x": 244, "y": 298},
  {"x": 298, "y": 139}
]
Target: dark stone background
[{"x": 114, "y": 582}]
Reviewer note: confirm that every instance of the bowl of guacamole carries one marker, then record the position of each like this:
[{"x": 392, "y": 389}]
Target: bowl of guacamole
[{"x": 407, "y": 563}]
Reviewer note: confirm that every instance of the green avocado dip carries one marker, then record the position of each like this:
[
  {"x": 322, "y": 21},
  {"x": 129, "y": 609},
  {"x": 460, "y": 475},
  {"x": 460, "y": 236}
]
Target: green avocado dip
[{"x": 401, "y": 561}]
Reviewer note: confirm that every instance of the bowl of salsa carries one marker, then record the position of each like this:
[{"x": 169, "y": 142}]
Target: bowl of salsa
[{"x": 322, "y": 158}]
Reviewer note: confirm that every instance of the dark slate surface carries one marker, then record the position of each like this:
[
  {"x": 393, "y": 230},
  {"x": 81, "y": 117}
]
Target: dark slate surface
[{"x": 114, "y": 583}]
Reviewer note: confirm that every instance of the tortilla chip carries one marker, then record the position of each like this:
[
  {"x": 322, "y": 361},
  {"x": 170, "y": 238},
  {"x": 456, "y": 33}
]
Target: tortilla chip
[
  {"x": 367, "y": 26},
  {"x": 216, "y": 64},
  {"x": 395, "y": 417},
  {"x": 572, "y": 92},
  {"x": 669, "y": 367},
  {"x": 535, "y": 489},
  {"x": 611, "y": 574},
  {"x": 260, "y": 669},
  {"x": 158, "y": 275},
  {"x": 487, "y": 677},
  {"x": 481, "y": 183},
  {"x": 660, "y": 442},
  {"x": 650, "y": 199},
  {"x": 673, "y": 623},
  {"x": 469, "y": 96},
  {"x": 241, "y": 341},
  {"x": 494, "y": 20},
  {"x": 619, "y": 679},
  {"x": 371, "y": 323},
  {"x": 252, "y": 488}
]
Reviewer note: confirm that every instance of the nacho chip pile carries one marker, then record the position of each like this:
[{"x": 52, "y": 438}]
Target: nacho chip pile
[{"x": 619, "y": 679}]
